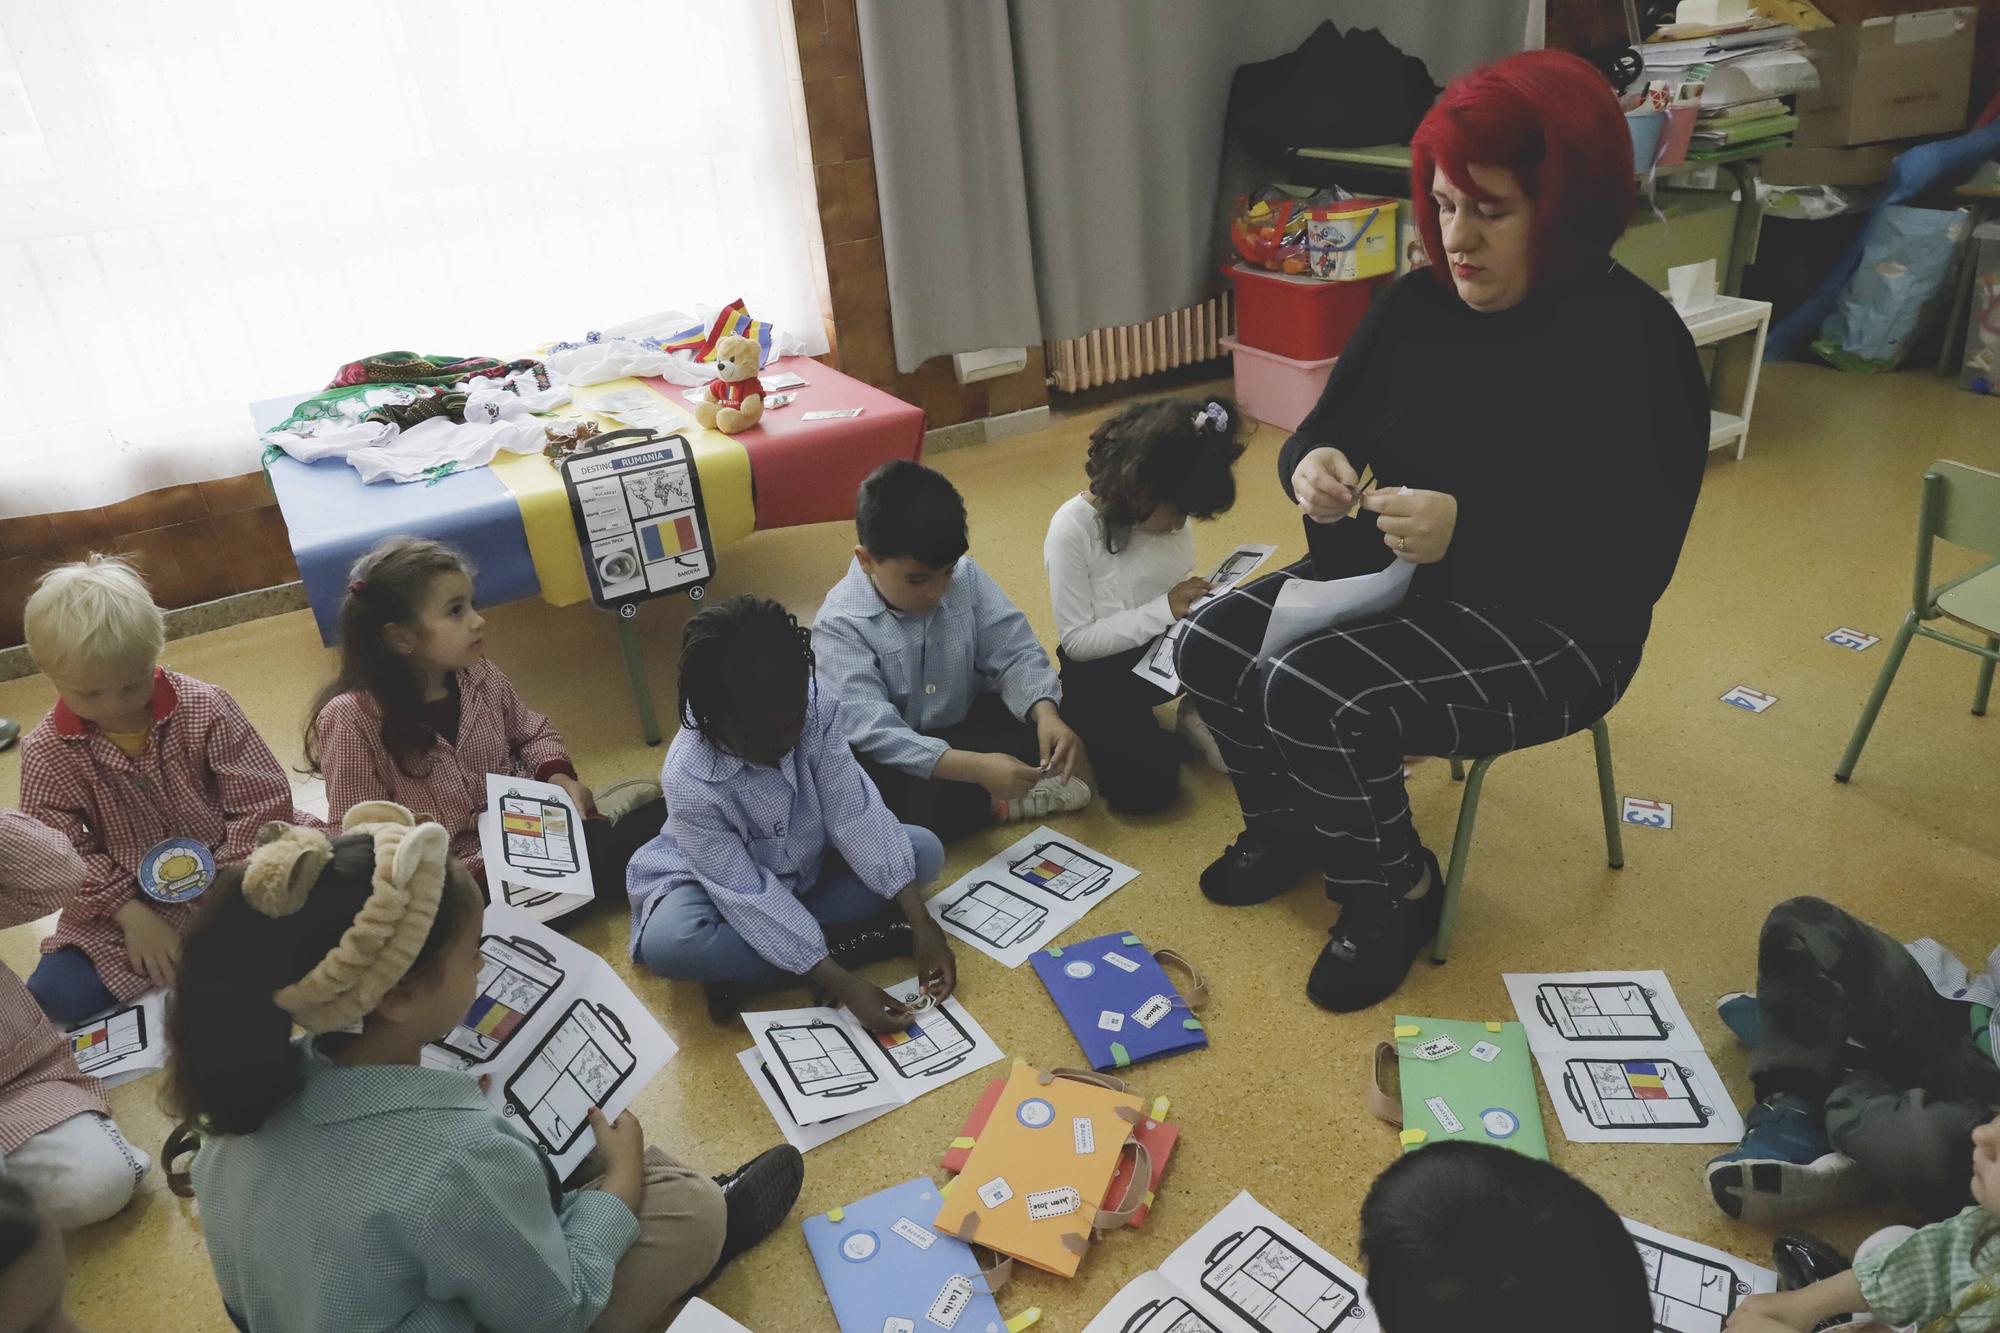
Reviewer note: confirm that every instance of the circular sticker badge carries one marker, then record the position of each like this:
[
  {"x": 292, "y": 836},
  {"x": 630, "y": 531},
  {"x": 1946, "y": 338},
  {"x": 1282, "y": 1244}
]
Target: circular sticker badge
[
  {"x": 176, "y": 870},
  {"x": 1035, "y": 1113},
  {"x": 1079, "y": 968},
  {"x": 859, "y": 1247},
  {"x": 1499, "y": 1122}
]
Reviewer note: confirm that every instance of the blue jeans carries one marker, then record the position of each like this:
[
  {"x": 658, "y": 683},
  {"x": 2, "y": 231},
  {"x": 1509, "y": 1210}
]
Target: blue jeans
[
  {"x": 686, "y": 938},
  {"x": 65, "y": 984}
]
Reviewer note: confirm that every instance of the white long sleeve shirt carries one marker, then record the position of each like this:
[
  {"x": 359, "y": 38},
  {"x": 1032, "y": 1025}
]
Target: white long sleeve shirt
[{"x": 1107, "y": 603}]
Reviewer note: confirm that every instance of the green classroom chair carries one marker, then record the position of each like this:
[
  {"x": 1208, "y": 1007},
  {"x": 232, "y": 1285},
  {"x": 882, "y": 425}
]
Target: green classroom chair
[
  {"x": 1468, "y": 811},
  {"x": 1961, "y": 505}
]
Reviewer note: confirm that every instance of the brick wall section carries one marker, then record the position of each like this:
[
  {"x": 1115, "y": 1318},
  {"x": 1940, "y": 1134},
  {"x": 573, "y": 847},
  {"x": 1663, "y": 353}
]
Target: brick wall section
[
  {"x": 195, "y": 543},
  {"x": 830, "y": 110}
]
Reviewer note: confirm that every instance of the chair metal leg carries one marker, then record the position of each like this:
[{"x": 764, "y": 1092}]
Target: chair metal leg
[
  {"x": 635, "y": 670},
  {"x": 1985, "y": 689},
  {"x": 1461, "y": 852},
  {"x": 1457, "y": 769},
  {"x": 1883, "y": 680},
  {"x": 1607, "y": 795}
]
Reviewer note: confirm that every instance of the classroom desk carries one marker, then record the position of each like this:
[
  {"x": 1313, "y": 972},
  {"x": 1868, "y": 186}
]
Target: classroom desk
[{"x": 1394, "y": 159}]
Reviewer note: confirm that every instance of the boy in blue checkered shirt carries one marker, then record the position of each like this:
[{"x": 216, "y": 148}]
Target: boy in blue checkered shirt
[{"x": 944, "y": 690}]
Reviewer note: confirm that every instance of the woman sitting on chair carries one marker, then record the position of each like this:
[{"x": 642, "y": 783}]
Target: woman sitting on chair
[{"x": 1535, "y": 424}]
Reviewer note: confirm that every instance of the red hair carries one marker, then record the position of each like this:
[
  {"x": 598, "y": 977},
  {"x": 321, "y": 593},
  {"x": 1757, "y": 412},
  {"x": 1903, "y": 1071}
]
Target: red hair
[{"x": 1551, "y": 119}]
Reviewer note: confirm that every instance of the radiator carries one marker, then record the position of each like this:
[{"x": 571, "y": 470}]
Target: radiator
[{"x": 1110, "y": 356}]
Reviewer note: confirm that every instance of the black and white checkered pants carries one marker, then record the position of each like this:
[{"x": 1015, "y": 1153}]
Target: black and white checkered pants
[{"x": 1315, "y": 738}]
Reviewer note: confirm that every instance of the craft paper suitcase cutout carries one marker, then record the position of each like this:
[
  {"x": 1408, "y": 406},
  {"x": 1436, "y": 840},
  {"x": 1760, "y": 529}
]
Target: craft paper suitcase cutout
[
  {"x": 885, "y": 1267},
  {"x": 1118, "y": 1000},
  {"x": 1157, "y": 1134},
  {"x": 1481, "y": 1087}
]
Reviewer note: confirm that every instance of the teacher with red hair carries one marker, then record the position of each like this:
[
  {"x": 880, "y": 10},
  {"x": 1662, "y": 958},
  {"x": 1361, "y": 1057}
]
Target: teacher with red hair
[{"x": 1536, "y": 424}]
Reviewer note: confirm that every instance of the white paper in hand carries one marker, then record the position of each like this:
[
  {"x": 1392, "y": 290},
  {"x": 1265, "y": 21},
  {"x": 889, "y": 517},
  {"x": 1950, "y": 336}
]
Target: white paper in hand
[{"x": 1306, "y": 607}]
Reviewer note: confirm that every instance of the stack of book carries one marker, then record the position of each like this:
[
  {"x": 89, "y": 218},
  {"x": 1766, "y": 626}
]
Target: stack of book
[{"x": 1758, "y": 126}]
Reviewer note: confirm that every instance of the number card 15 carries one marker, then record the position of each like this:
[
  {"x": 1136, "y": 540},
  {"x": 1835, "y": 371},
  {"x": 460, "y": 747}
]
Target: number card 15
[
  {"x": 1651, "y": 814},
  {"x": 1853, "y": 638}
]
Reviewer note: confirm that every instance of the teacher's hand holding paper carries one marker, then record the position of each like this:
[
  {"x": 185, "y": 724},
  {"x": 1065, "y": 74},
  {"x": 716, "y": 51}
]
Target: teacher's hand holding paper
[
  {"x": 1416, "y": 525},
  {"x": 1325, "y": 484}
]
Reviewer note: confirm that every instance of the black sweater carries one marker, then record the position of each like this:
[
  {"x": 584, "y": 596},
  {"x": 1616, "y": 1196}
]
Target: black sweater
[{"x": 1571, "y": 428}]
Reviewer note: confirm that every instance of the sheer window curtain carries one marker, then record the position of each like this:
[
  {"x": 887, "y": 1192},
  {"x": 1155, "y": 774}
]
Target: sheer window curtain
[{"x": 212, "y": 201}]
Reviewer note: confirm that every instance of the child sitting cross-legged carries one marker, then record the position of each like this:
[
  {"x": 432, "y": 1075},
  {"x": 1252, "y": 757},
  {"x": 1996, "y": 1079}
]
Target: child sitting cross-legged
[
  {"x": 943, "y": 688},
  {"x": 779, "y": 861},
  {"x": 418, "y": 714},
  {"x": 155, "y": 778},
  {"x": 1461, "y": 1236},
  {"x": 346, "y": 1185}
]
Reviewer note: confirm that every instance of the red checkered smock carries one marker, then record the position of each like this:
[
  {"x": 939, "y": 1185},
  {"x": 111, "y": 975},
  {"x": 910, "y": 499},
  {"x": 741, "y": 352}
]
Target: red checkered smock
[
  {"x": 40, "y": 1085},
  {"x": 497, "y": 733},
  {"x": 205, "y": 774}
]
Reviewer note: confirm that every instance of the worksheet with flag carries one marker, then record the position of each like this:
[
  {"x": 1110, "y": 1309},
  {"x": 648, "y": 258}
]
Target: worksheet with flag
[{"x": 1621, "y": 1061}]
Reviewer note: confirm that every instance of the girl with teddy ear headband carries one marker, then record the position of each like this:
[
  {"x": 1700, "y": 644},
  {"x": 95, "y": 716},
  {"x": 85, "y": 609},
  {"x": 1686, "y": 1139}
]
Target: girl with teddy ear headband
[{"x": 342, "y": 1143}]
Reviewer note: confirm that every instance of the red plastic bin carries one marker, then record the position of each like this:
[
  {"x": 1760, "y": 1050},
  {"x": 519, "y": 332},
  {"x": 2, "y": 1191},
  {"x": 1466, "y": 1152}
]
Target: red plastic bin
[{"x": 1304, "y": 319}]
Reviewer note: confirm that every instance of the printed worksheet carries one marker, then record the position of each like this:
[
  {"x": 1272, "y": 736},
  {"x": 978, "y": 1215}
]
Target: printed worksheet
[
  {"x": 125, "y": 1042},
  {"x": 823, "y": 1065},
  {"x": 531, "y": 835},
  {"x": 1621, "y": 1061},
  {"x": 698, "y": 1316},
  {"x": 1305, "y": 607},
  {"x": 1695, "y": 1288},
  {"x": 1027, "y": 895},
  {"x": 803, "y": 1137},
  {"x": 557, "y": 1033},
  {"x": 1156, "y": 664},
  {"x": 1246, "y": 1270}
]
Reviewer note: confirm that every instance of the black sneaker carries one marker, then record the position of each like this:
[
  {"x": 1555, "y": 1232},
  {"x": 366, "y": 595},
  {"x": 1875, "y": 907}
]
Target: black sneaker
[
  {"x": 1251, "y": 871},
  {"x": 1371, "y": 947},
  {"x": 725, "y": 1001},
  {"x": 759, "y": 1195},
  {"x": 1802, "y": 1259}
]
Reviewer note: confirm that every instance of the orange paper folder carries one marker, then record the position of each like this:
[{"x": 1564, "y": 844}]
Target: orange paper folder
[
  {"x": 1158, "y": 1135},
  {"x": 1033, "y": 1182}
]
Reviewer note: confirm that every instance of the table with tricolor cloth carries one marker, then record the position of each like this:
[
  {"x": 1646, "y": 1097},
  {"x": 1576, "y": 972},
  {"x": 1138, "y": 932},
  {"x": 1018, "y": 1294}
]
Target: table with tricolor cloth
[{"x": 513, "y": 517}]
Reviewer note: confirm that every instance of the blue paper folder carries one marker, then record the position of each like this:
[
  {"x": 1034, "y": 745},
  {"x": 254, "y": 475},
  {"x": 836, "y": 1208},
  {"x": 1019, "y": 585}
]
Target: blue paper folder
[
  {"x": 1118, "y": 1000},
  {"x": 886, "y": 1266}
]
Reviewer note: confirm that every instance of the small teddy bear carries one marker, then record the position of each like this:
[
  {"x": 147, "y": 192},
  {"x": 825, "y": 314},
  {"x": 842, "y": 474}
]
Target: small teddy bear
[{"x": 735, "y": 397}]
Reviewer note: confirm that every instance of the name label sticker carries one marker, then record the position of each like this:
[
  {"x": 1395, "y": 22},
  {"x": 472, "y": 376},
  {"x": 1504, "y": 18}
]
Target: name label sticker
[
  {"x": 952, "y": 1302},
  {"x": 1085, "y": 1134},
  {"x": 1121, "y": 962},
  {"x": 1450, "y": 1123},
  {"x": 1437, "y": 1048},
  {"x": 1045, "y": 1204},
  {"x": 1152, "y": 1011},
  {"x": 913, "y": 1233}
]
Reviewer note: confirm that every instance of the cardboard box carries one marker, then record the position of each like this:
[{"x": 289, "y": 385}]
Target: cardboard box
[
  {"x": 1889, "y": 78},
  {"x": 1828, "y": 166},
  {"x": 1851, "y": 12}
]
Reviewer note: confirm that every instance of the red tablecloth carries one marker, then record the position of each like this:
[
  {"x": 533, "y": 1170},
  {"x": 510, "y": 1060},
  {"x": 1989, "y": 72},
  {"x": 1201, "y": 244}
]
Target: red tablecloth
[{"x": 808, "y": 471}]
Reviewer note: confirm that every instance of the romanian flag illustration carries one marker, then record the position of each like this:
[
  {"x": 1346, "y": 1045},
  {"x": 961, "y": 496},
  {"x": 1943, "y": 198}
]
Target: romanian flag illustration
[
  {"x": 675, "y": 537},
  {"x": 1648, "y": 1080},
  {"x": 83, "y": 1041},
  {"x": 492, "y": 1019},
  {"x": 735, "y": 318}
]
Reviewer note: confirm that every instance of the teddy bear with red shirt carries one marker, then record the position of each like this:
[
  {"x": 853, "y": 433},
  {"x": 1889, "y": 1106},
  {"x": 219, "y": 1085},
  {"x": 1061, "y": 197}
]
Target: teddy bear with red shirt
[{"x": 735, "y": 397}]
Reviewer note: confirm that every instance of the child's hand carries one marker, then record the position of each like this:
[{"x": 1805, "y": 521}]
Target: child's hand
[
  {"x": 621, "y": 1145},
  {"x": 875, "y": 1008},
  {"x": 586, "y": 800},
  {"x": 1059, "y": 745},
  {"x": 937, "y": 970},
  {"x": 1324, "y": 483},
  {"x": 151, "y": 946},
  {"x": 1183, "y": 595},
  {"x": 1006, "y": 777},
  {"x": 1777, "y": 1312}
]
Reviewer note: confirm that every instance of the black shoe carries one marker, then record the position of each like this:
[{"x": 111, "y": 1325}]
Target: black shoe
[
  {"x": 725, "y": 1001},
  {"x": 873, "y": 941},
  {"x": 1251, "y": 870},
  {"x": 1802, "y": 1259},
  {"x": 1371, "y": 947},
  {"x": 759, "y": 1195}
]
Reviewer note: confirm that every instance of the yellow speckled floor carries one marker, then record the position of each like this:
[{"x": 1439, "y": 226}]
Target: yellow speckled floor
[{"x": 1812, "y": 531}]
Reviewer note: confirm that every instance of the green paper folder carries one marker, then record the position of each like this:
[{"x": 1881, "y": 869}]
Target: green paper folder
[{"x": 1490, "y": 1101}]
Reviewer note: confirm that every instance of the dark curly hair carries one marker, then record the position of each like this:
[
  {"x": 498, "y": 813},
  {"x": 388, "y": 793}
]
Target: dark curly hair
[
  {"x": 746, "y": 648},
  {"x": 1175, "y": 451}
]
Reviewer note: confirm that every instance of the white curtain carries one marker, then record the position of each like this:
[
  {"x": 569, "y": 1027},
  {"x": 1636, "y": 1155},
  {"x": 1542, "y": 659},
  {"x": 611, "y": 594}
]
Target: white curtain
[{"x": 206, "y": 202}]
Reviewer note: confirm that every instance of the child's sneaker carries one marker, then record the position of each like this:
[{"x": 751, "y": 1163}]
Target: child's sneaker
[
  {"x": 622, "y": 798},
  {"x": 759, "y": 1196},
  {"x": 1051, "y": 796},
  {"x": 1740, "y": 1013},
  {"x": 1785, "y": 1168},
  {"x": 1195, "y": 734}
]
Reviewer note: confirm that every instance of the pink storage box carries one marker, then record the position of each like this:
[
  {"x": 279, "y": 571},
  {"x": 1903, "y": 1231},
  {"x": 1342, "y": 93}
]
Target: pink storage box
[{"x": 1276, "y": 389}]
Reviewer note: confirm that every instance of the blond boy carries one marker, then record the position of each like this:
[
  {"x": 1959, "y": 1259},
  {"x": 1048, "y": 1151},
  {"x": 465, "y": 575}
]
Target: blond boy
[{"x": 154, "y": 777}]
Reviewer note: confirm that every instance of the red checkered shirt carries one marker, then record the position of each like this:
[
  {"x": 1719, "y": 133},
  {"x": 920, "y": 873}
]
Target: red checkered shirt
[
  {"x": 205, "y": 774},
  {"x": 40, "y": 1085},
  {"x": 497, "y": 733}
]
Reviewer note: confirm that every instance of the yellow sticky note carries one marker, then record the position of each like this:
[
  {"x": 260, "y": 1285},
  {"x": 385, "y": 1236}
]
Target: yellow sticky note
[
  {"x": 835, "y": 1214},
  {"x": 1407, "y": 1029},
  {"x": 1412, "y": 1137},
  {"x": 1028, "y": 1318},
  {"x": 1493, "y": 1027},
  {"x": 963, "y": 1142},
  {"x": 1160, "y": 1107}
]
